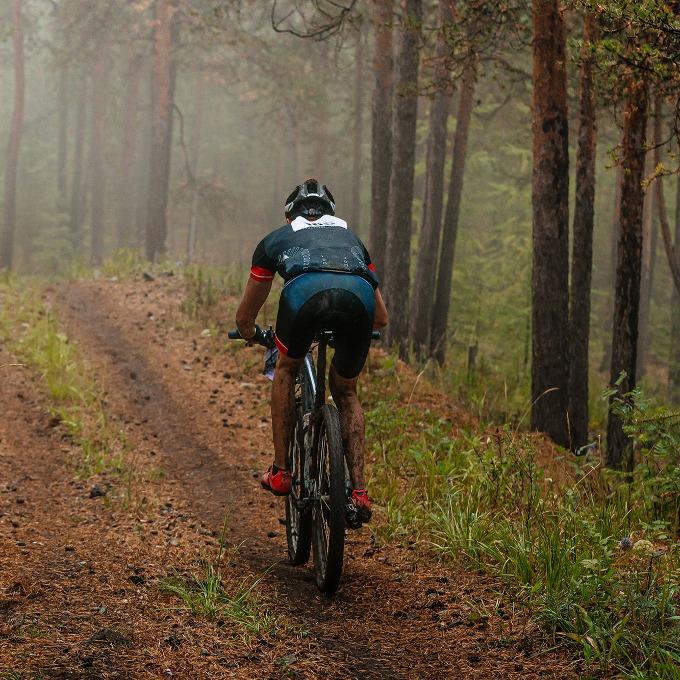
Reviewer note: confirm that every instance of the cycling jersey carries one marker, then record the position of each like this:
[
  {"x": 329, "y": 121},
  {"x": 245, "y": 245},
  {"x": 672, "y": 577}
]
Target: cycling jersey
[{"x": 323, "y": 245}]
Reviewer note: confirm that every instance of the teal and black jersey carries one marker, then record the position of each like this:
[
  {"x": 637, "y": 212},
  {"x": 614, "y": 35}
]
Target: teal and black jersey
[{"x": 303, "y": 246}]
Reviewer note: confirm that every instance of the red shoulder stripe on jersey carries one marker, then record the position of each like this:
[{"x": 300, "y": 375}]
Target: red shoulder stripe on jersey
[
  {"x": 261, "y": 274},
  {"x": 282, "y": 348},
  {"x": 371, "y": 267}
]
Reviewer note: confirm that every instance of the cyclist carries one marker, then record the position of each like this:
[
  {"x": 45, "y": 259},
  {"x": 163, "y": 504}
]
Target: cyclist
[{"x": 330, "y": 284}]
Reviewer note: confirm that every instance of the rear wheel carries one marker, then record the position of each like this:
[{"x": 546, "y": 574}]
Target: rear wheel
[
  {"x": 329, "y": 508},
  {"x": 298, "y": 518}
]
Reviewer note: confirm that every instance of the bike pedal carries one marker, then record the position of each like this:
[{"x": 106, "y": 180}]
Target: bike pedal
[{"x": 352, "y": 517}]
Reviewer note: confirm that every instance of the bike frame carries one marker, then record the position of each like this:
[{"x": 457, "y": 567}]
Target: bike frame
[{"x": 315, "y": 378}]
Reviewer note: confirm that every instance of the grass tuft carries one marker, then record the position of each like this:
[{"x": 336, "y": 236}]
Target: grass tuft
[
  {"x": 208, "y": 595},
  {"x": 31, "y": 332}
]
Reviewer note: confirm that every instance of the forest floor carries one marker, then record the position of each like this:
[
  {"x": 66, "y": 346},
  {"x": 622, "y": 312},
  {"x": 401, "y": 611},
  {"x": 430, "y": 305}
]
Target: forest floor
[{"x": 88, "y": 563}]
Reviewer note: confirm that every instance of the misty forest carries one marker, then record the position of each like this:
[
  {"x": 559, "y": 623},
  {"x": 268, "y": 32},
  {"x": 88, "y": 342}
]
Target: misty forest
[{"x": 512, "y": 167}]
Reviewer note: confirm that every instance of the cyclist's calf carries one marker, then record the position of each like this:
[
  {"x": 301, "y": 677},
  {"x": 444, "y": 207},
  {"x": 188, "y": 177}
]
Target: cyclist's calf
[
  {"x": 344, "y": 391},
  {"x": 283, "y": 406}
]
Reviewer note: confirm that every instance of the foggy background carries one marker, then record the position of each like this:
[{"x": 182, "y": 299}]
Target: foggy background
[{"x": 256, "y": 112}]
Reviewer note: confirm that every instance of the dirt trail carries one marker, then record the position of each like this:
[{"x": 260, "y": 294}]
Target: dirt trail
[{"x": 200, "y": 415}]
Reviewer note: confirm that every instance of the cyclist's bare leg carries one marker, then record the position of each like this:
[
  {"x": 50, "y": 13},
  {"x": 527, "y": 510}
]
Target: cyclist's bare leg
[
  {"x": 283, "y": 406},
  {"x": 344, "y": 393}
]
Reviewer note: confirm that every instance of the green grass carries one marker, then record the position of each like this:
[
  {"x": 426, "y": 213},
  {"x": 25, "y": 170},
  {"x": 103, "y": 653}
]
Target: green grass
[
  {"x": 207, "y": 286},
  {"x": 31, "y": 332},
  {"x": 486, "y": 501},
  {"x": 207, "y": 594},
  {"x": 126, "y": 262}
]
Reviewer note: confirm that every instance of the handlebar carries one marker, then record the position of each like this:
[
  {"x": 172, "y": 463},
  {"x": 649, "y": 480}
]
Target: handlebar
[{"x": 266, "y": 338}]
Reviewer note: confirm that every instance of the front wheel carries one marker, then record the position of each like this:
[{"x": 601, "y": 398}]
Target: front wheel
[
  {"x": 298, "y": 517},
  {"x": 328, "y": 513}
]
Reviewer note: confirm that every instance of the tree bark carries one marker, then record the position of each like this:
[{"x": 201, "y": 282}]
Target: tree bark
[
  {"x": 162, "y": 108},
  {"x": 607, "y": 319},
  {"x": 128, "y": 154},
  {"x": 14, "y": 144},
  {"x": 447, "y": 253},
  {"x": 428, "y": 243},
  {"x": 97, "y": 178},
  {"x": 671, "y": 250},
  {"x": 397, "y": 264},
  {"x": 627, "y": 295},
  {"x": 550, "y": 200},
  {"x": 62, "y": 137},
  {"x": 647, "y": 272},
  {"x": 197, "y": 137},
  {"x": 141, "y": 196},
  {"x": 77, "y": 184},
  {"x": 674, "y": 362},
  {"x": 582, "y": 253},
  {"x": 358, "y": 125},
  {"x": 381, "y": 128}
]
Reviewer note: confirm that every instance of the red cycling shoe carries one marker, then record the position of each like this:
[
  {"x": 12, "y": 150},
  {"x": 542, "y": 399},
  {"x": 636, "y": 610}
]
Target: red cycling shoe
[
  {"x": 278, "y": 482},
  {"x": 362, "y": 503}
]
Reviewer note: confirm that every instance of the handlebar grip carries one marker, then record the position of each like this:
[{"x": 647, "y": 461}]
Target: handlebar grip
[{"x": 264, "y": 338}]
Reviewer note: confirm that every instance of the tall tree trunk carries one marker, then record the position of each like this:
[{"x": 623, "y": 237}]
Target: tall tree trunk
[
  {"x": 99, "y": 99},
  {"x": 197, "y": 138},
  {"x": 317, "y": 163},
  {"x": 128, "y": 155},
  {"x": 607, "y": 319},
  {"x": 13, "y": 146},
  {"x": 671, "y": 250},
  {"x": 428, "y": 245},
  {"x": 647, "y": 272},
  {"x": 447, "y": 253},
  {"x": 77, "y": 184},
  {"x": 674, "y": 362},
  {"x": 142, "y": 163},
  {"x": 319, "y": 160},
  {"x": 278, "y": 192},
  {"x": 396, "y": 268},
  {"x": 295, "y": 150},
  {"x": 162, "y": 109},
  {"x": 62, "y": 136},
  {"x": 381, "y": 128},
  {"x": 582, "y": 253},
  {"x": 627, "y": 295},
  {"x": 358, "y": 129},
  {"x": 550, "y": 201}
]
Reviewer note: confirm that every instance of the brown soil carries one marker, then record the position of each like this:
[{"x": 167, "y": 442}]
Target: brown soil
[{"x": 80, "y": 575}]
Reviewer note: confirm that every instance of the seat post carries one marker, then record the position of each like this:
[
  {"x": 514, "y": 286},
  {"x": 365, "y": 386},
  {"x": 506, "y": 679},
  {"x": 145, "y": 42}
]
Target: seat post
[{"x": 321, "y": 373}]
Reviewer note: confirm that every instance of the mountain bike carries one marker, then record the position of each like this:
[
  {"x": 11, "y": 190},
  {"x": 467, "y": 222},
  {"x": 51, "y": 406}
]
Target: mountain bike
[{"x": 318, "y": 507}]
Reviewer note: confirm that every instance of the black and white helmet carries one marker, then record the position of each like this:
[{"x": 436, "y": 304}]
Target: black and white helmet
[{"x": 310, "y": 199}]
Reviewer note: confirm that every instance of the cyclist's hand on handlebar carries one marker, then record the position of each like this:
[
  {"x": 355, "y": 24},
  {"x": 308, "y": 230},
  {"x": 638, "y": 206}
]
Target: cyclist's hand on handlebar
[
  {"x": 256, "y": 338},
  {"x": 260, "y": 337}
]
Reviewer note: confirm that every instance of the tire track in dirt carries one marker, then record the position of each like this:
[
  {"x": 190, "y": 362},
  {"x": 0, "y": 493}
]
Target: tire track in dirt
[
  {"x": 387, "y": 620},
  {"x": 73, "y": 568}
]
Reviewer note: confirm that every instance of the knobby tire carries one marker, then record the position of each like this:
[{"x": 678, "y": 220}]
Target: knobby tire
[
  {"x": 298, "y": 521},
  {"x": 329, "y": 512}
]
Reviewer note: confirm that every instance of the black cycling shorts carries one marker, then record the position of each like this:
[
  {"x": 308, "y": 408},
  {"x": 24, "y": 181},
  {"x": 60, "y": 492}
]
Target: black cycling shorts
[{"x": 327, "y": 301}]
